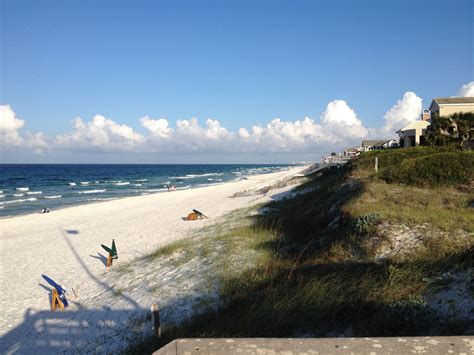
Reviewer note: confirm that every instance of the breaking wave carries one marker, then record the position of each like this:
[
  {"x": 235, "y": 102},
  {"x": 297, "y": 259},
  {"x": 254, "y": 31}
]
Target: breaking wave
[
  {"x": 122, "y": 183},
  {"x": 18, "y": 201},
  {"x": 91, "y": 191}
]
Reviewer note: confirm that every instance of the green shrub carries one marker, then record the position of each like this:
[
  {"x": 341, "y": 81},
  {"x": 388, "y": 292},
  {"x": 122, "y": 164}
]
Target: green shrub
[
  {"x": 394, "y": 157},
  {"x": 363, "y": 224},
  {"x": 441, "y": 169}
]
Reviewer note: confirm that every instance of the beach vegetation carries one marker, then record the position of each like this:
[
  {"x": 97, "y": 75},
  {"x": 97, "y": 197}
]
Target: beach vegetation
[
  {"x": 456, "y": 130},
  {"x": 320, "y": 273}
]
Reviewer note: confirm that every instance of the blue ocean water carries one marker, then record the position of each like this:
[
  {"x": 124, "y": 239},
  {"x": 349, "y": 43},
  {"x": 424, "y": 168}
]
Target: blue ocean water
[{"x": 27, "y": 188}]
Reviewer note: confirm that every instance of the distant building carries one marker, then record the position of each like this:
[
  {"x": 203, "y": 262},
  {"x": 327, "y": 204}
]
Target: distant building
[
  {"x": 352, "y": 152},
  {"x": 413, "y": 134},
  {"x": 392, "y": 143},
  {"x": 373, "y": 144},
  {"x": 446, "y": 106}
]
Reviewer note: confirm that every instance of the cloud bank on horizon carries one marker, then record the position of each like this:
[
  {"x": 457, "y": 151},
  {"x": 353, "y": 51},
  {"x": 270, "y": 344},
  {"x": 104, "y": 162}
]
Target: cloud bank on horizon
[{"x": 337, "y": 127}]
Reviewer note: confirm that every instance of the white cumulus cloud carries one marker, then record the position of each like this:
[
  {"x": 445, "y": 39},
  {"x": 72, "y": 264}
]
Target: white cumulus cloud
[
  {"x": 282, "y": 136},
  {"x": 406, "y": 110},
  {"x": 100, "y": 133},
  {"x": 340, "y": 121},
  {"x": 11, "y": 136},
  {"x": 9, "y": 127},
  {"x": 157, "y": 128},
  {"x": 190, "y": 136},
  {"x": 467, "y": 90},
  {"x": 337, "y": 127}
]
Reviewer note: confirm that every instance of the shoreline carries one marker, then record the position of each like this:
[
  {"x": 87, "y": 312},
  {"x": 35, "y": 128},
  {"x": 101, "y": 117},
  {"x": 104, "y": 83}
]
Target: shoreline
[
  {"x": 65, "y": 244},
  {"x": 89, "y": 203}
]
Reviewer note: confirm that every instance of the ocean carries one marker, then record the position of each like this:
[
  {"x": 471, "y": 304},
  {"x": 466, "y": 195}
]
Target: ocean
[{"x": 27, "y": 188}]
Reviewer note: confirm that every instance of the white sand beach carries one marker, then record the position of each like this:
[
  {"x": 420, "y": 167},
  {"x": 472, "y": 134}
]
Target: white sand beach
[{"x": 65, "y": 245}]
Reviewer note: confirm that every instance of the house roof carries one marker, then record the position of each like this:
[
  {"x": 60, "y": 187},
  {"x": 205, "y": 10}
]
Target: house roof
[
  {"x": 454, "y": 100},
  {"x": 351, "y": 149},
  {"x": 371, "y": 143},
  {"x": 415, "y": 125}
]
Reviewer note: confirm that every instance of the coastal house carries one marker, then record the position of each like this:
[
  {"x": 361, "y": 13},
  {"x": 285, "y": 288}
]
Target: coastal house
[
  {"x": 352, "y": 152},
  {"x": 413, "y": 134},
  {"x": 446, "y": 106},
  {"x": 392, "y": 143},
  {"x": 370, "y": 145},
  {"x": 373, "y": 144}
]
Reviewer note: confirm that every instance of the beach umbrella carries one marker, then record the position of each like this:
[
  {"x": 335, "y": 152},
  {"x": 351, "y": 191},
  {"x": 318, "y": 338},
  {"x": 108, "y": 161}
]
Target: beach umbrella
[
  {"x": 61, "y": 291},
  {"x": 112, "y": 251}
]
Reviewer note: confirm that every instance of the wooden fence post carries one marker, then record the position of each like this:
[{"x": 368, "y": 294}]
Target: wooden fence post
[
  {"x": 376, "y": 164},
  {"x": 155, "y": 318}
]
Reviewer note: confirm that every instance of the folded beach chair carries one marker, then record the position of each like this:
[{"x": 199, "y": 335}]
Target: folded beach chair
[{"x": 194, "y": 215}]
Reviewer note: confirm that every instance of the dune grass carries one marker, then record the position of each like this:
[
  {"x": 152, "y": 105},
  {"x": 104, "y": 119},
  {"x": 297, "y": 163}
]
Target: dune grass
[
  {"x": 317, "y": 276},
  {"x": 444, "y": 208}
]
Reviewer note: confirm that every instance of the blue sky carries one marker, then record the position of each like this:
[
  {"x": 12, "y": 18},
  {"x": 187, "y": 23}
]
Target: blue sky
[{"x": 239, "y": 62}]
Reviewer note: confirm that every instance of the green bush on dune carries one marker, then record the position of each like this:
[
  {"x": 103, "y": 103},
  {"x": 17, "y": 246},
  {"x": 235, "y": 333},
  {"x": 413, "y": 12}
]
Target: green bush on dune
[
  {"x": 441, "y": 169},
  {"x": 394, "y": 157},
  {"x": 421, "y": 166}
]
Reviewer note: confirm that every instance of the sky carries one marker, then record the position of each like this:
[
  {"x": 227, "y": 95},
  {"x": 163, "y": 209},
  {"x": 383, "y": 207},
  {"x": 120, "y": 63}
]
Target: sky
[{"x": 221, "y": 81}]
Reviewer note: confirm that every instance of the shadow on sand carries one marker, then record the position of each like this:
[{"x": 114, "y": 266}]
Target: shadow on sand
[
  {"x": 101, "y": 257},
  {"x": 97, "y": 330}
]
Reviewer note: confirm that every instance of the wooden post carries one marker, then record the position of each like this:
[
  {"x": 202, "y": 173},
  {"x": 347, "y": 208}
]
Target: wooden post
[
  {"x": 155, "y": 318},
  {"x": 376, "y": 164},
  {"x": 109, "y": 261},
  {"x": 56, "y": 301}
]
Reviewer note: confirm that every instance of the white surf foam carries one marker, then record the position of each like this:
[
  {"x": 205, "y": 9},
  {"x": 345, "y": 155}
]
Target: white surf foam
[
  {"x": 122, "y": 183},
  {"x": 72, "y": 183},
  {"x": 91, "y": 191},
  {"x": 156, "y": 190},
  {"x": 101, "y": 199},
  {"x": 22, "y": 188},
  {"x": 18, "y": 201},
  {"x": 193, "y": 176},
  {"x": 54, "y": 196},
  {"x": 34, "y": 192}
]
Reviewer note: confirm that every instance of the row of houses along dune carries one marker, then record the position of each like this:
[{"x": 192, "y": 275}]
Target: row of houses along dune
[{"x": 414, "y": 134}]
